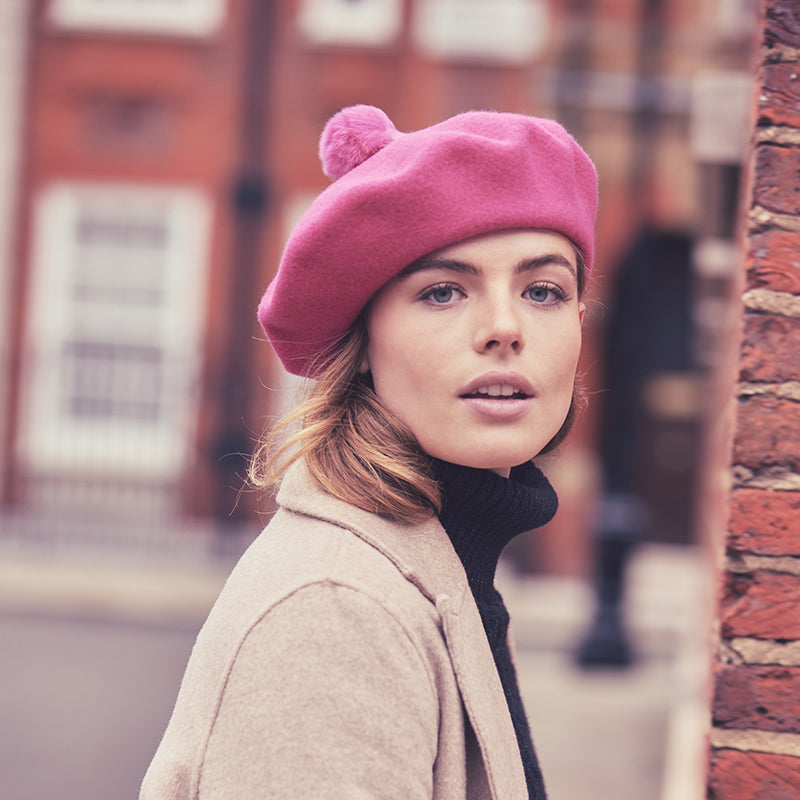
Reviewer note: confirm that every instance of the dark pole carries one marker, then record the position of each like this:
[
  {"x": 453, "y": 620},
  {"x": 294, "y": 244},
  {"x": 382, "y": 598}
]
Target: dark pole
[
  {"x": 250, "y": 201},
  {"x": 621, "y": 516}
]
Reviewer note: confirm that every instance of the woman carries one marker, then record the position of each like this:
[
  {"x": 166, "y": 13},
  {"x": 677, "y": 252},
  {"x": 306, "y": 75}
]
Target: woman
[{"x": 359, "y": 648}]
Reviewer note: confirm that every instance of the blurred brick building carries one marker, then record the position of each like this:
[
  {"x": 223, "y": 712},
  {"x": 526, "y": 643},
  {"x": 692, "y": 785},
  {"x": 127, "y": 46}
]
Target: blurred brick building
[{"x": 166, "y": 148}]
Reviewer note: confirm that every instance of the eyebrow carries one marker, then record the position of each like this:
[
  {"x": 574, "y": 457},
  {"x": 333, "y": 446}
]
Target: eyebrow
[{"x": 465, "y": 268}]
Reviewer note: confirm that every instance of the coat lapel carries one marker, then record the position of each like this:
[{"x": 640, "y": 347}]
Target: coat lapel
[
  {"x": 483, "y": 696},
  {"x": 425, "y": 556}
]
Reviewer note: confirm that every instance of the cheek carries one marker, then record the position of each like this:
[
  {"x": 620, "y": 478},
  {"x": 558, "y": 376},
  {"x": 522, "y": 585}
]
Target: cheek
[
  {"x": 404, "y": 378},
  {"x": 391, "y": 368},
  {"x": 399, "y": 378},
  {"x": 565, "y": 348},
  {"x": 573, "y": 352},
  {"x": 563, "y": 364}
]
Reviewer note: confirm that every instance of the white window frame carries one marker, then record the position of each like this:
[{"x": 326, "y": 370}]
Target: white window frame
[
  {"x": 52, "y": 439},
  {"x": 492, "y": 31},
  {"x": 176, "y": 17},
  {"x": 358, "y": 23}
]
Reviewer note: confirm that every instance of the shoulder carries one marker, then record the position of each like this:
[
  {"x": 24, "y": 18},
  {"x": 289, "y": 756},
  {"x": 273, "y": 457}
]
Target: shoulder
[
  {"x": 304, "y": 647},
  {"x": 296, "y": 551},
  {"x": 314, "y": 582},
  {"x": 328, "y": 623},
  {"x": 329, "y": 634},
  {"x": 320, "y": 673}
]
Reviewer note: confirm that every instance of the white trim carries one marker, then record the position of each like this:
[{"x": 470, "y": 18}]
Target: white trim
[
  {"x": 181, "y": 17},
  {"x": 364, "y": 23},
  {"x": 55, "y": 435},
  {"x": 500, "y": 31}
]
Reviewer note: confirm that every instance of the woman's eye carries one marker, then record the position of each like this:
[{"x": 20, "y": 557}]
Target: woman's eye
[
  {"x": 544, "y": 295},
  {"x": 441, "y": 295}
]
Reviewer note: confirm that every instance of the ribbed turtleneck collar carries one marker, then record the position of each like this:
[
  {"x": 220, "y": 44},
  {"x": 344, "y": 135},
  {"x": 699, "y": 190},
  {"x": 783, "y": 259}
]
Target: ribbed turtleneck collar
[{"x": 482, "y": 512}]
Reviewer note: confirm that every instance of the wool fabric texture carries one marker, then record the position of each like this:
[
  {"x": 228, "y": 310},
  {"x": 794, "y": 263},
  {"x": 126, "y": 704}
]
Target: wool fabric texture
[
  {"x": 481, "y": 513},
  {"x": 399, "y": 196},
  {"x": 345, "y": 657}
]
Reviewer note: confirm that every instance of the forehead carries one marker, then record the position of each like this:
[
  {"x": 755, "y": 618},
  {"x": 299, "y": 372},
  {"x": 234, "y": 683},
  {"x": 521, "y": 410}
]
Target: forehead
[
  {"x": 519, "y": 250},
  {"x": 514, "y": 243}
]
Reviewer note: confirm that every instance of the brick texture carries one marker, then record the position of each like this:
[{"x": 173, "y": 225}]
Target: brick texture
[
  {"x": 757, "y": 697},
  {"x": 777, "y": 186},
  {"x": 753, "y": 776},
  {"x": 779, "y": 102},
  {"x": 764, "y": 523},
  {"x": 781, "y": 24},
  {"x": 769, "y": 349},
  {"x": 768, "y": 432},
  {"x": 758, "y": 704},
  {"x": 763, "y": 605},
  {"x": 774, "y": 257}
]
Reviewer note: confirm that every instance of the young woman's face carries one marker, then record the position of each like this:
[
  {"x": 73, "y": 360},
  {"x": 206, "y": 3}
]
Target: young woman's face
[{"x": 475, "y": 346}]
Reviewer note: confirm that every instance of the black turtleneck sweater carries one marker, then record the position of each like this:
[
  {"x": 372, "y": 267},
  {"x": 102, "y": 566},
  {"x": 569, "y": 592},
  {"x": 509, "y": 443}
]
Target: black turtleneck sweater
[{"x": 481, "y": 513}]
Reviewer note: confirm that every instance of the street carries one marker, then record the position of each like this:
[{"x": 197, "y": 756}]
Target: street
[{"x": 83, "y": 704}]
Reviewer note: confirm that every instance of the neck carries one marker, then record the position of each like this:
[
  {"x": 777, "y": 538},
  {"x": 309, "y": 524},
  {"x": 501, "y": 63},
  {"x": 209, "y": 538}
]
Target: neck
[{"x": 483, "y": 511}]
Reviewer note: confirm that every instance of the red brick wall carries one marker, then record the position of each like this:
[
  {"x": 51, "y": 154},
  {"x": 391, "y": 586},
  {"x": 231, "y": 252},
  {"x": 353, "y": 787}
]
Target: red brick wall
[{"x": 755, "y": 739}]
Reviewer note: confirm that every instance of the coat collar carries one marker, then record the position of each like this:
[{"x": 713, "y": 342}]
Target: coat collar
[{"x": 425, "y": 556}]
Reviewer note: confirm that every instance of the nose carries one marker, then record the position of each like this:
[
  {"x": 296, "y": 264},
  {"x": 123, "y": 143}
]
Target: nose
[{"x": 498, "y": 329}]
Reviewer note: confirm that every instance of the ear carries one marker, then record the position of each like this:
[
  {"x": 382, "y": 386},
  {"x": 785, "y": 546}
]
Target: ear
[
  {"x": 581, "y": 312},
  {"x": 363, "y": 367}
]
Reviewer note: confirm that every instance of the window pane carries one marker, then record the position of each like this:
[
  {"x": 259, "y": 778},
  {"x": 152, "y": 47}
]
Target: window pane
[
  {"x": 187, "y": 17},
  {"x": 112, "y": 381}
]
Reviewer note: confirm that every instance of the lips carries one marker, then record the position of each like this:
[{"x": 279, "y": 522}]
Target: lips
[{"x": 499, "y": 398}]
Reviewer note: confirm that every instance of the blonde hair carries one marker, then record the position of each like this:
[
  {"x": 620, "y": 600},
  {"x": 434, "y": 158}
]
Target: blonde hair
[{"x": 354, "y": 447}]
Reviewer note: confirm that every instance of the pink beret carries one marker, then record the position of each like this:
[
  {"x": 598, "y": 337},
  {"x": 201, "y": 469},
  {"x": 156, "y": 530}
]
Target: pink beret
[{"x": 399, "y": 196}]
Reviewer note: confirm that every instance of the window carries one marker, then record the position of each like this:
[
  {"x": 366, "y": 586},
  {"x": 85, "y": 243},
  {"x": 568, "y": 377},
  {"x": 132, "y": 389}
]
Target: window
[
  {"x": 183, "y": 17},
  {"x": 503, "y": 31},
  {"x": 368, "y": 23},
  {"x": 114, "y": 322}
]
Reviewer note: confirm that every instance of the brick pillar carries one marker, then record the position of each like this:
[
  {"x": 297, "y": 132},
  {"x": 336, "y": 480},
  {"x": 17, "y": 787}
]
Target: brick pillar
[{"x": 755, "y": 739}]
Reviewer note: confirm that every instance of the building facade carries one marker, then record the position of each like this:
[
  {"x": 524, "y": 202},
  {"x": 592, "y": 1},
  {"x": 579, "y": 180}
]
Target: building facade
[{"x": 167, "y": 152}]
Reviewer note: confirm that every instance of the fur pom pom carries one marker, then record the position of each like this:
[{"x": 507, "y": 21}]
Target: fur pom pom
[{"x": 352, "y": 136}]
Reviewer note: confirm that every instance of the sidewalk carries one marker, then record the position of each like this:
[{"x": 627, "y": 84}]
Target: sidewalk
[
  {"x": 634, "y": 734},
  {"x": 629, "y": 734}
]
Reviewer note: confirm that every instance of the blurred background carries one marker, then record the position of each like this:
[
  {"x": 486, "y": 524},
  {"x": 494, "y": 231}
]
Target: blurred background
[{"x": 154, "y": 155}]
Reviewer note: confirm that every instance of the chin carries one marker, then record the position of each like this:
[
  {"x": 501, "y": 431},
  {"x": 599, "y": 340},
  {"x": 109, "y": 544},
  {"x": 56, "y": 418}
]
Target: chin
[
  {"x": 497, "y": 453},
  {"x": 500, "y": 462}
]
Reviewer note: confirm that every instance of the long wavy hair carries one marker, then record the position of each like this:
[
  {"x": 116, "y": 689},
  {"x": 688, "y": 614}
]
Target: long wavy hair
[{"x": 354, "y": 447}]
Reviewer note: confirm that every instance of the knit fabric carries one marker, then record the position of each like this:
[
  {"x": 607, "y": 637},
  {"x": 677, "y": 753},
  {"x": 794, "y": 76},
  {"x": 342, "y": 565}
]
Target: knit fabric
[{"x": 482, "y": 512}]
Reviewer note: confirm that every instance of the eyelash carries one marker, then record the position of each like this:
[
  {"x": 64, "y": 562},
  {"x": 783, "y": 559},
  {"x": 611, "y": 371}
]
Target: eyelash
[
  {"x": 427, "y": 295},
  {"x": 559, "y": 294},
  {"x": 555, "y": 290}
]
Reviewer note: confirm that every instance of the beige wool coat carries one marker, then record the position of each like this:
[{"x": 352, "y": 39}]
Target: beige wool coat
[{"x": 344, "y": 658}]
